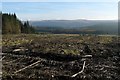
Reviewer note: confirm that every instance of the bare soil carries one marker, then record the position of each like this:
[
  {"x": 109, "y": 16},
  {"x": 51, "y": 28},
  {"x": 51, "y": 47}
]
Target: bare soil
[{"x": 60, "y": 57}]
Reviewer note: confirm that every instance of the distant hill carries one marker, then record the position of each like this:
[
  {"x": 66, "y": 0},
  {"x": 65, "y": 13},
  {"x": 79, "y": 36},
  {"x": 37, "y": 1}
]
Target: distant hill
[
  {"x": 62, "y": 23},
  {"x": 107, "y": 27},
  {"x": 77, "y": 26}
]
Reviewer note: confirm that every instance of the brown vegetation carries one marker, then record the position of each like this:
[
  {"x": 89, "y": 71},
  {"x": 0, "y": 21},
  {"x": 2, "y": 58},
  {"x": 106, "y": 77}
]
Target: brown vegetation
[{"x": 60, "y": 57}]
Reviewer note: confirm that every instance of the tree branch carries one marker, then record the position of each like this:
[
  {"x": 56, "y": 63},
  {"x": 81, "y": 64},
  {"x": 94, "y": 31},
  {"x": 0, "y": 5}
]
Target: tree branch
[
  {"x": 26, "y": 67},
  {"x": 80, "y": 71}
]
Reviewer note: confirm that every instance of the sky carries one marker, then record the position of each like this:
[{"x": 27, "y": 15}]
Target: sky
[
  {"x": 59, "y": 0},
  {"x": 62, "y": 10}
]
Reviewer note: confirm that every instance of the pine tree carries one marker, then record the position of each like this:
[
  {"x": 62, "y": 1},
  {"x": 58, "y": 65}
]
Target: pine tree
[{"x": 11, "y": 25}]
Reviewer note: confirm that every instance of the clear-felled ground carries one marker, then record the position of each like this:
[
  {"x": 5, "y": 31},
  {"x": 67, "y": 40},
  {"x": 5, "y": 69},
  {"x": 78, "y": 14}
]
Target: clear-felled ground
[{"x": 59, "y": 56}]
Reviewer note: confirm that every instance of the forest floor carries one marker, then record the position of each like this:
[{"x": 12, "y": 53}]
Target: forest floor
[{"x": 60, "y": 57}]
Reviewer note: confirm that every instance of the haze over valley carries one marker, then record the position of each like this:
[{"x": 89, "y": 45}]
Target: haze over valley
[{"x": 77, "y": 26}]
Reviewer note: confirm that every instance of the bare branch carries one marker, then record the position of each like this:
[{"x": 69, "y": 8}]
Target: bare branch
[
  {"x": 80, "y": 71},
  {"x": 26, "y": 67},
  {"x": 2, "y": 58},
  {"x": 87, "y": 56}
]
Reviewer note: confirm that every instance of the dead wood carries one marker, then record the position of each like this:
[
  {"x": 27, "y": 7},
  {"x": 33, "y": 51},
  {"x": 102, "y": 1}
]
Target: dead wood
[
  {"x": 2, "y": 58},
  {"x": 80, "y": 71},
  {"x": 26, "y": 67}
]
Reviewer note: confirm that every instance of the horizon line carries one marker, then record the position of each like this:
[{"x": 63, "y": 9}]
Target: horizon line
[{"x": 75, "y": 19}]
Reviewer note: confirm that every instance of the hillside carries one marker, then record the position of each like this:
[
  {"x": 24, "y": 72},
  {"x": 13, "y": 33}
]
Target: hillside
[
  {"x": 62, "y": 23},
  {"x": 76, "y": 26}
]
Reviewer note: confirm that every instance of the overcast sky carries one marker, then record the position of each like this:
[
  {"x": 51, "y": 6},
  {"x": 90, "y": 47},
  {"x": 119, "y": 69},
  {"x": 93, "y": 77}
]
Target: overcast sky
[{"x": 91, "y": 9}]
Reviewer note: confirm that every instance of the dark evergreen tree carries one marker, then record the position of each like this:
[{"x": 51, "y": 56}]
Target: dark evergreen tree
[{"x": 11, "y": 25}]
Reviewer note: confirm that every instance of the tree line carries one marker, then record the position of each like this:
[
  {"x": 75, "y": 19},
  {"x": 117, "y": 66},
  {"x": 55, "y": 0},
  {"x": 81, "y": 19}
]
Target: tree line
[{"x": 12, "y": 25}]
